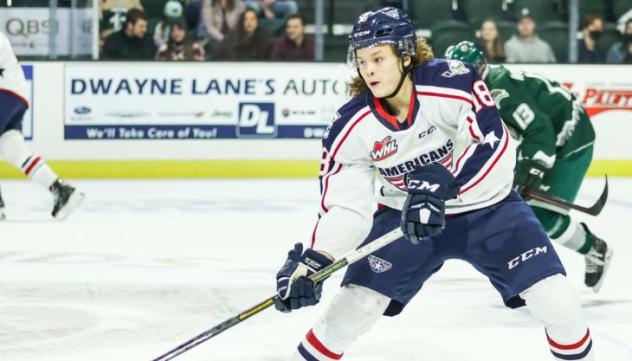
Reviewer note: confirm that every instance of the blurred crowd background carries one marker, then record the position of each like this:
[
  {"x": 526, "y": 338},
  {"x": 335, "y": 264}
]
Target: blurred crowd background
[{"x": 512, "y": 31}]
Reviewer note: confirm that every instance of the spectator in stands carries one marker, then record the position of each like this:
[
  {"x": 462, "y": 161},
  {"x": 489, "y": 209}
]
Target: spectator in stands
[
  {"x": 112, "y": 14},
  {"x": 193, "y": 16},
  {"x": 621, "y": 51},
  {"x": 220, "y": 17},
  {"x": 132, "y": 42},
  {"x": 172, "y": 12},
  {"x": 491, "y": 42},
  {"x": 271, "y": 9},
  {"x": 623, "y": 20},
  {"x": 248, "y": 41},
  {"x": 526, "y": 46},
  {"x": 588, "y": 48},
  {"x": 294, "y": 45},
  {"x": 179, "y": 46}
]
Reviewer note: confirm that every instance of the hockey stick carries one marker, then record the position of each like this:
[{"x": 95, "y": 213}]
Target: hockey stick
[
  {"x": 593, "y": 210},
  {"x": 348, "y": 259}
]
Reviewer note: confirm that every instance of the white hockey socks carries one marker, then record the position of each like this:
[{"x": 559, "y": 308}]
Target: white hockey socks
[
  {"x": 14, "y": 150},
  {"x": 574, "y": 237},
  {"x": 555, "y": 303},
  {"x": 353, "y": 311}
]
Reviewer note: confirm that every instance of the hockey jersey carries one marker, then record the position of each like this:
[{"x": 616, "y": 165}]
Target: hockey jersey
[
  {"x": 12, "y": 79},
  {"x": 366, "y": 152},
  {"x": 546, "y": 117}
]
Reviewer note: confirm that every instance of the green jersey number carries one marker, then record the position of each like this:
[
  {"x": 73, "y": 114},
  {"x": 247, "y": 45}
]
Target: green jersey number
[{"x": 523, "y": 115}]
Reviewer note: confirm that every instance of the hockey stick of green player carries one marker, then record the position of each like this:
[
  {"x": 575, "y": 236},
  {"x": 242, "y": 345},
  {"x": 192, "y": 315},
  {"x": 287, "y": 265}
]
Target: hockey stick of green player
[
  {"x": 348, "y": 259},
  {"x": 593, "y": 210}
]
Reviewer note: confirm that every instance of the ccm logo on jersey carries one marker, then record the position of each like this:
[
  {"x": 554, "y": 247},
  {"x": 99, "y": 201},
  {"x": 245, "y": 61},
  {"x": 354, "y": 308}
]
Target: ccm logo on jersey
[
  {"x": 427, "y": 132},
  {"x": 384, "y": 149},
  {"x": 526, "y": 256}
]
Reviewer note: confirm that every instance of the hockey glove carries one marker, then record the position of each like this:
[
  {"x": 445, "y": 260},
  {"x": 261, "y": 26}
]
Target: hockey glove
[
  {"x": 529, "y": 175},
  {"x": 294, "y": 289},
  {"x": 423, "y": 215}
]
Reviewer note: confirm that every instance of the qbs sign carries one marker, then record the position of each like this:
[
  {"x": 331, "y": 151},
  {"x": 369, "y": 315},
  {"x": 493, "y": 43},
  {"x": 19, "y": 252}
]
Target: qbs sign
[{"x": 29, "y": 29}]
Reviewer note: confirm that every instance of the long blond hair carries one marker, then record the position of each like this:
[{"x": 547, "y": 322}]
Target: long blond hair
[{"x": 357, "y": 85}]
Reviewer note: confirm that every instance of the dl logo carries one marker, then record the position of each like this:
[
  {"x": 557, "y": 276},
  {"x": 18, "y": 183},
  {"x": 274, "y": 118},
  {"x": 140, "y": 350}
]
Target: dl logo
[{"x": 256, "y": 120}]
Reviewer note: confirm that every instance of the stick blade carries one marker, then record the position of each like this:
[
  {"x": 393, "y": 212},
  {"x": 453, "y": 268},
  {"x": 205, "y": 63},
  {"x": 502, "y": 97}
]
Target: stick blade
[{"x": 601, "y": 202}]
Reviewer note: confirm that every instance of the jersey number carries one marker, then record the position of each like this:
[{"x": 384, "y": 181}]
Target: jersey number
[
  {"x": 481, "y": 95},
  {"x": 523, "y": 115},
  {"x": 325, "y": 163}
]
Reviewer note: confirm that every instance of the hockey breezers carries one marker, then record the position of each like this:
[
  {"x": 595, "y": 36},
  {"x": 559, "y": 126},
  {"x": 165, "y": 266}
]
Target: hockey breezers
[
  {"x": 593, "y": 210},
  {"x": 348, "y": 259}
]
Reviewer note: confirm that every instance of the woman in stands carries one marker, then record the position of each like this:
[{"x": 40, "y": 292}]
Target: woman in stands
[
  {"x": 249, "y": 41},
  {"x": 179, "y": 46},
  {"x": 219, "y": 18},
  {"x": 491, "y": 42}
]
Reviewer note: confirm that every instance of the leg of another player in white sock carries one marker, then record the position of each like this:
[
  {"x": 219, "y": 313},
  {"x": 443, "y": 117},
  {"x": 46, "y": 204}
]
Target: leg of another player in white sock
[
  {"x": 14, "y": 150},
  {"x": 554, "y": 302},
  {"x": 353, "y": 311}
]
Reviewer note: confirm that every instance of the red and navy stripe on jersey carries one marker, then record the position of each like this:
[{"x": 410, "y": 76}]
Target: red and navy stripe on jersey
[
  {"x": 489, "y": 136},
  {"x": 345, "y": 120}
]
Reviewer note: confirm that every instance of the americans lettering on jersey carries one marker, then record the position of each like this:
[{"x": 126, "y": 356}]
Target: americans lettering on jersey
[{"x": 435, "y": 155}]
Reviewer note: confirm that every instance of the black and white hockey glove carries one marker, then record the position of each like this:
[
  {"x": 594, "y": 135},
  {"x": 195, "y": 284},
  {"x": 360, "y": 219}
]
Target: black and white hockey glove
[
  {"x": 529, "y": 175},
  {"x": 423, "y": 215},
  {"x": 294, "y": 289}
]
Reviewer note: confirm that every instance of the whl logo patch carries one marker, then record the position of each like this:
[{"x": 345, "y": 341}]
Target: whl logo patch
[
  {"x": 384, "y": 149},
  {"x": 379, "y": 265}
]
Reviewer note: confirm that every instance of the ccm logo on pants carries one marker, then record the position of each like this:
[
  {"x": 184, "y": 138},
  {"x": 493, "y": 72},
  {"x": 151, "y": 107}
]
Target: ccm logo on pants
[{"x": 525, "y": 256}]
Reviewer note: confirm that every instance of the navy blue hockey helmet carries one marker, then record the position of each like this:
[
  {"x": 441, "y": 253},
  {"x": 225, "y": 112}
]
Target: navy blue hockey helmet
[{"x": 388, "y": 25}]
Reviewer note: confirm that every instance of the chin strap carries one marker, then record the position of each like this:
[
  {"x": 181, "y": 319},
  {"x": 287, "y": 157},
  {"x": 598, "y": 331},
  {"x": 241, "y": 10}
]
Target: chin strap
[{"x": 405, "y": 73}]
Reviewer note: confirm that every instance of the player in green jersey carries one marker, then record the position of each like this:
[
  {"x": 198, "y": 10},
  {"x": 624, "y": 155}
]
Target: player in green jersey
[{"x": 556, "y": 146}]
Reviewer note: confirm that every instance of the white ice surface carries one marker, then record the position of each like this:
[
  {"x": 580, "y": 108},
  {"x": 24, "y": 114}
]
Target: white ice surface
[{"x": 145, "y": 265}]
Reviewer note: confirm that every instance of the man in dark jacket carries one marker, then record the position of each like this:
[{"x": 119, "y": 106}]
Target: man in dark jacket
[
  {"x": 132, "y": 42},
  {"x": 295, "y": 45}
]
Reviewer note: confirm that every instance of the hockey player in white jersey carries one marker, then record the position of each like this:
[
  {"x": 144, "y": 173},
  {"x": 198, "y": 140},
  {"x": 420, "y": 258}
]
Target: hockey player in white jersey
[
  {"x": 13, "y": 104},
  {"x": 427, "y": 134}
]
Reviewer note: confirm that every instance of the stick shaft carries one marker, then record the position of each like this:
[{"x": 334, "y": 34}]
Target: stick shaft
[
  {"x": 348, "y": 259},
  {"x": 593, "y": 210}
]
